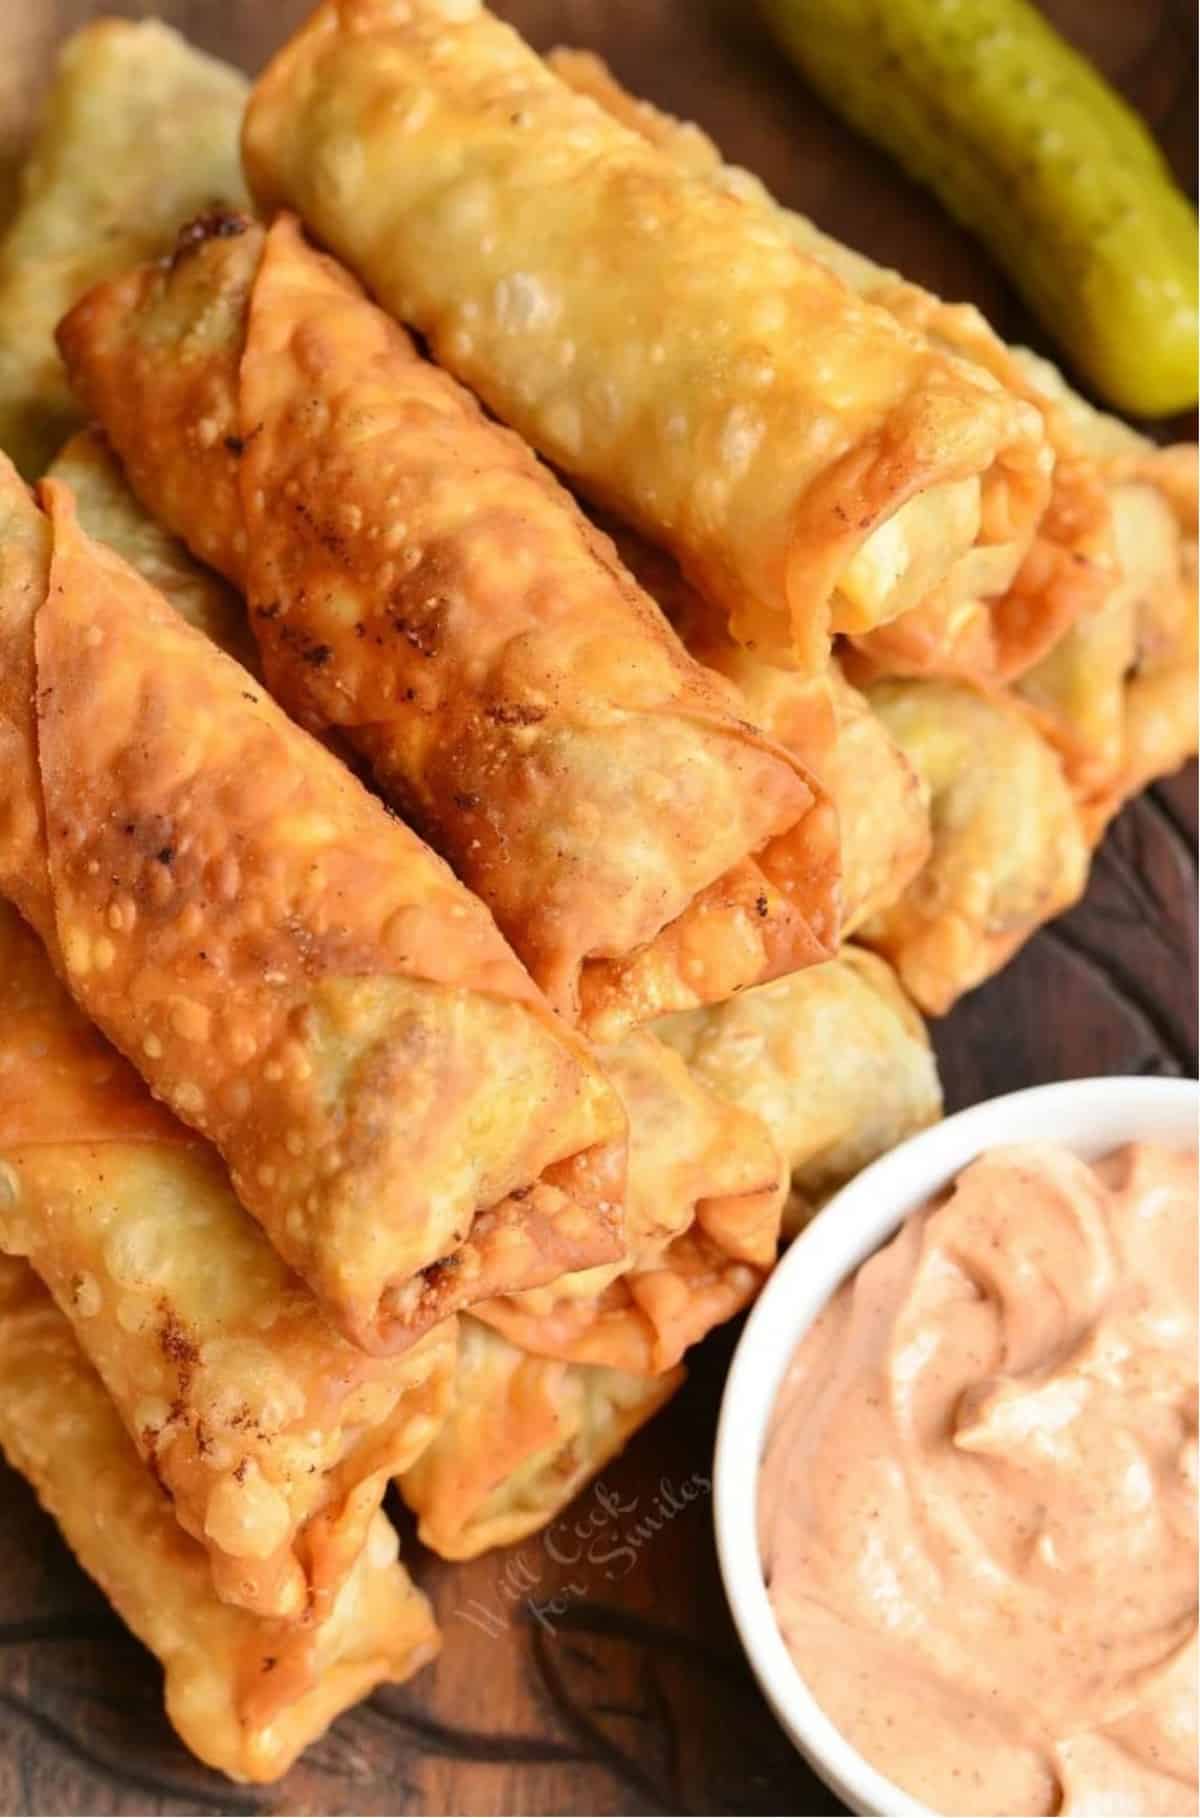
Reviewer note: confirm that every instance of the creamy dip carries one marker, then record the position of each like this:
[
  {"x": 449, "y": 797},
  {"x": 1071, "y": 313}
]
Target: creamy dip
[{"x": 977, "y": 1504}]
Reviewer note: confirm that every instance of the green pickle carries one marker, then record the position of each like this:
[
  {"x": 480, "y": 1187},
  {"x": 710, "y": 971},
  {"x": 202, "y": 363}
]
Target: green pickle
[{"x": 1027, "y": 145}]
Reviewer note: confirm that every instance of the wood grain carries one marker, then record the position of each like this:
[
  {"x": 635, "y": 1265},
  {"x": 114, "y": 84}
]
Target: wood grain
[{"x": 628, "y": 1694}]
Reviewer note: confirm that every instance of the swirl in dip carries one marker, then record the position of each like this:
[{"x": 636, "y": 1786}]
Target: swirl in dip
[{"x": 977, "y": 1503}]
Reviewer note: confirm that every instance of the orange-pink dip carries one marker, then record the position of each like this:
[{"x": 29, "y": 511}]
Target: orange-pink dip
[{"x": 977, "y": 1505}]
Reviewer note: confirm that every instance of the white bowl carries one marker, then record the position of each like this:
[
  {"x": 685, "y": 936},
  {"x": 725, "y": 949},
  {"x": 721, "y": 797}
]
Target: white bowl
[{"x": 1089, "y": 1116}]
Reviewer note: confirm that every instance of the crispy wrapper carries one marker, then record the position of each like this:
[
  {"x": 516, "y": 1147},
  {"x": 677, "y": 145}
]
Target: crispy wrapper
[
  {"x": 524, "y": 1434},
  {"x": 806, "y": 459},
  {"x": 1010, "y": 846},
  {"x": 1118, "y": 694},
  {"x": 246, "y": 1695},
  {"x": 289, "y": 968},
  {"x": 419, "y": 581},
  {"x": 705, "y": 1192},
  {"x": 110, "y": 514},
  {"x": 1001, "y": 629},
  {"x": 139, "y": 133},
  {"x": 273, "y": 1436},
  {"x": 881, "y": 802},
  {"x": 837, "y": 1063}
]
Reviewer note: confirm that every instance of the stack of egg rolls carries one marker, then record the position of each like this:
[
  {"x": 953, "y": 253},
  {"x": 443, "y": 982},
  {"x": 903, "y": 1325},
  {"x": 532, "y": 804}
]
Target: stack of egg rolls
[
  {"x": 1095, "y": 636},
  {"x": 290, "y": 968},
  {"x": 271, "y": 1434},
  {"x": 326, "y": 1160},
  {"x": 417, "y": 580}
]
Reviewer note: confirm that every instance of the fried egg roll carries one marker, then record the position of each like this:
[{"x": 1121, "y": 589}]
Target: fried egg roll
[
  {"x": 837, "y": 1063},
  {"x": 139, "y": 133},
  {"x": 273, "y": 1436},
  {"x": 1118, "y": 694},
  {"x": 524, "y": 1434},
  {"x": 420, "y": 582},
  {"x": 1011, "y": 619},
  {"x": 806, "y": 459},
  {"x": 881, "y": 802},
  {"x": 1010, "y": 847},
  {"x": 246, "y": 1695},
  {"x": 706, "y": 1187},
  {"x": 285, "y": 963}
]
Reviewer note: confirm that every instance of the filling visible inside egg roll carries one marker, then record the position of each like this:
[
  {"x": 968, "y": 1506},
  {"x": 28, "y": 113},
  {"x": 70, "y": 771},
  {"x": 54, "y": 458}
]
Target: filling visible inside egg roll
[
  {"x": 705, "y": 1191},
  {"x": 996, "y": 613}
]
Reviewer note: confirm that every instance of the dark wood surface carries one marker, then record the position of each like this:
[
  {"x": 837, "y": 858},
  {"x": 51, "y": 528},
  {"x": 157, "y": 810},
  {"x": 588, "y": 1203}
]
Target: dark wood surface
[{"x": 628, "y": 1694}]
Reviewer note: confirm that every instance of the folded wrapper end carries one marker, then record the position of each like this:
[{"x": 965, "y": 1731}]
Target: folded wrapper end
[
  {"x": 1010, "y": 847},
  {"x": 523, "y": 1436},
  {"x": 706, "y": 1190}
]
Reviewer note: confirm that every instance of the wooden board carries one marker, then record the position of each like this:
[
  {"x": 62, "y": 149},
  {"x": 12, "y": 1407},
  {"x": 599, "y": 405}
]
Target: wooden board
[{"x": 595, "y": 1669}]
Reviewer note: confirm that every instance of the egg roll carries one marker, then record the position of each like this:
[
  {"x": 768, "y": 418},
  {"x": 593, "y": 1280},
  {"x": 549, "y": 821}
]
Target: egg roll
[
  {"x": 1010, "y": 846},
  {"x": 523, "y": 1435},
  {"x": 246, "y": 1695},
  {"x": 420, "y": 583},
  {"x": 273, "y": 1437},
  {"x": 139, "y": 133},
  {"x": 806, "y": 459},
  {"x": 881, "y": 803},
  {"x": 286, "y": 964},
  {"x": 1010, "y": 620},
  {"x": 705, "y": 1192},
  {"x": 836, "y": 1062},
  {"x": 1118, "y": 694}
]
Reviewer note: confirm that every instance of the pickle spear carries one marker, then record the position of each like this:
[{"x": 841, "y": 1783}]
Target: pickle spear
[{"x": 1026, "y": 144}]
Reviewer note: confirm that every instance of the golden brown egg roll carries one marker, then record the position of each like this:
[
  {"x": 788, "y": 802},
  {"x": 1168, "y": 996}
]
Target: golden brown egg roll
[
  {"x": 1118, "y": 694},
  {"x": 286, "y": 964},
  {"x": 802, "y": 456},
  {"x": 706, "y": 1187},
  {"x": 273, "y": 1436},
  {"x": 881, "y": 802},
  {"x": 139, "y": 133},
  {"x": 1010, "y": 848},
  {"x": 523, "y": 1435},
  {"x": 245, "y": 1694},
  {"x": 1000, "y": 630},
  {"x": 418, "y": 581},
  {"x": 836, "y": 1062}
]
